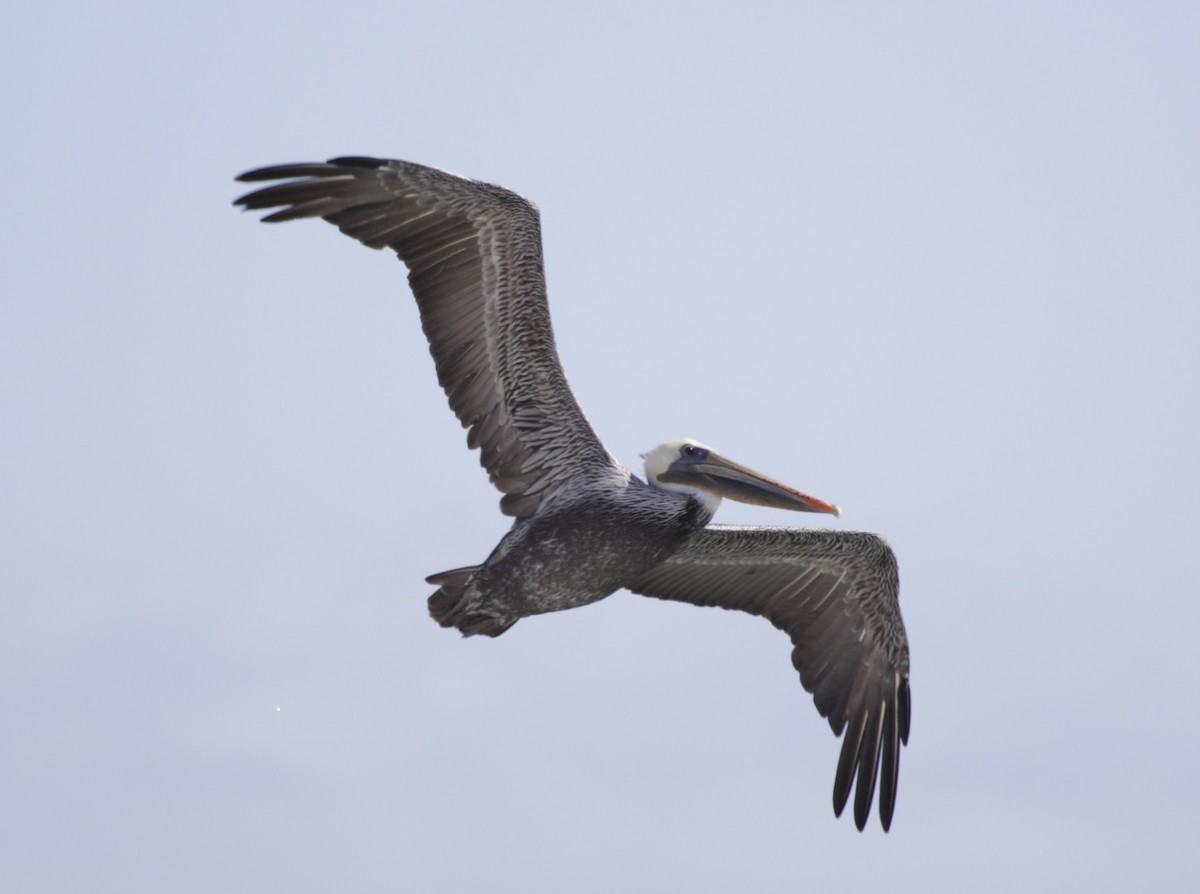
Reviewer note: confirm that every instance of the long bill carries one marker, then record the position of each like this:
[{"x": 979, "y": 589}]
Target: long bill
[{"x": 724, "y": 477}]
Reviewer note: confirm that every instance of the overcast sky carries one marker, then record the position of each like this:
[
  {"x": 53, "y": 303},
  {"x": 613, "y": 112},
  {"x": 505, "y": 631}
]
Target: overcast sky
[{"x": 938, "y": 263}]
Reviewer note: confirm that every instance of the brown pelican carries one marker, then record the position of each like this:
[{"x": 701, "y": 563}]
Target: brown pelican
[{"x": 585, "y": 526}]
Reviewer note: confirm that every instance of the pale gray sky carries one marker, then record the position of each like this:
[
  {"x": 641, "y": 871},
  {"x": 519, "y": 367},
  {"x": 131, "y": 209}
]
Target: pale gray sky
[{"x": 939, "y": 265}]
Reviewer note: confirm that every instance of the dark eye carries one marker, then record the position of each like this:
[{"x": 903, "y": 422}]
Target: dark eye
[{"x": 691, "y": 450}]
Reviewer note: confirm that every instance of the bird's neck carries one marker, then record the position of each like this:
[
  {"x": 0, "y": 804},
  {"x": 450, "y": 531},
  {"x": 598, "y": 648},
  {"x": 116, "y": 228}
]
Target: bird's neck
[{"x": 707, "y": 500}]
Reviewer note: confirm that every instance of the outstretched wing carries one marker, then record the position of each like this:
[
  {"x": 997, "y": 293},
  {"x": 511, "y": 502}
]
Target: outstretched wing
[
  {"x": 836, "y": 594},
  {"x": 474, "y": 254}
]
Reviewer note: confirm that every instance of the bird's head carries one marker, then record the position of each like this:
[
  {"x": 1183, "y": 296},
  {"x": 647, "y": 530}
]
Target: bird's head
[{"x": 687, "y": 466}]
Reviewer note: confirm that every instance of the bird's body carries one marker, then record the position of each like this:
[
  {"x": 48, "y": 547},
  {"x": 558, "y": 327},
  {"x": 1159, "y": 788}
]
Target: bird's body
[
  {"x": 590, "y": 539},
  {"x": 584, "y": 525}
]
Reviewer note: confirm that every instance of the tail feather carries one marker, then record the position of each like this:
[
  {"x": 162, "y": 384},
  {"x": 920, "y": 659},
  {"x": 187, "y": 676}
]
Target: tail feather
[
  {"x": 449, "y": 608},
  {"x": 455, "y": 577}
]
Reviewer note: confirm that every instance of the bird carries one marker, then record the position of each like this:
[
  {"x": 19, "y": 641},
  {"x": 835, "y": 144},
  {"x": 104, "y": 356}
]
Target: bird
[{"x": 584, "y": 526}]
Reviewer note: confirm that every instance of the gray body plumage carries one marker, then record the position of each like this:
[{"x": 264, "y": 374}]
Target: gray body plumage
[{"x": 584, "y": 526}]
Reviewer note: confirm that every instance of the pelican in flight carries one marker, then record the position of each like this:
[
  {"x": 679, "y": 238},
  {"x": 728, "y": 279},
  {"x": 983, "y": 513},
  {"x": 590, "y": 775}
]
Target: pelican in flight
[{"x": 584, "y": 525}]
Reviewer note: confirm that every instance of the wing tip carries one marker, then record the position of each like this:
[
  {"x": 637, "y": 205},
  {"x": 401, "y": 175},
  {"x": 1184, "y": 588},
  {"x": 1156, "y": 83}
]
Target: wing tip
[
  {"x": 870, "y": 759},
  {"x": 309, "y": 168},
  {"x": 358, "y": 161}
]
